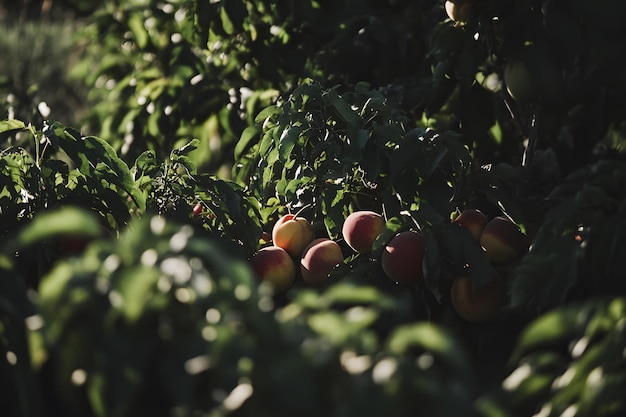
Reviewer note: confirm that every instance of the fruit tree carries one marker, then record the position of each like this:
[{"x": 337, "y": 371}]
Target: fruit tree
[{"x": 313, "y": 208}]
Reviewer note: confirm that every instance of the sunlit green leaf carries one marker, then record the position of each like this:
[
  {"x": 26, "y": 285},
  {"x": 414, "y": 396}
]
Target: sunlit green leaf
[{"x": 10, "y": 125}]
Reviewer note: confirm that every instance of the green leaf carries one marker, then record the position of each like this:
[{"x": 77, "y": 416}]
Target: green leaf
[
  {"x": 137, "y": 287},
  {"x": 358, "y": 139},
  {"x": 146, "y": 164},
  {"x": 266, "y": 143},
  {"x": 431, "y": 265},
  {"x": 187, "y": 163},
  {"x": 249, "y": 134},
  {"x": 405, "y": 153},
  {"x": 227, "y": 24},
  {"x": 343, "y": 109},
  {"x": 64, "y": 221},
  {"x": 267, "y": 113},
  {"x": 187, "y": 148},
  {"x": 432, "y": 339},
  {"x": 444, "y": 83},
  {"x": 339, "y": 328},
  {"x": 392, "y": 226},
  {"x": 287, "y": 141},
  {"x": 11, "y": 125},
  {"x": 346, "y": 293},
  {"x": 136, "y": 24},
  {"x": 236, "y": 11}
]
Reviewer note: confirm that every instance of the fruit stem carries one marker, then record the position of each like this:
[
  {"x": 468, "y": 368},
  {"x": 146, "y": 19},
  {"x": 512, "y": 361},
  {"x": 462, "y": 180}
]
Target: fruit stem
[
  {"x": 306, "y": 206},
  {"x": 533, "y": 134}
]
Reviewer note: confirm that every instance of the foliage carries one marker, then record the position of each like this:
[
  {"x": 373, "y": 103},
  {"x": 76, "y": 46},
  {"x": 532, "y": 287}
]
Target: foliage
[
  {"x": 172, "y": 186},
  {"x": 204, "y": 69},
  {"x": 157, "y": 284},
  {"x": 570, "y": 359},
  {"x": 66, "y": 168},
  {"x": 34, "y": 81},
  {"x": 125, "y": 286},
  {"x": 72, "y": 169}
]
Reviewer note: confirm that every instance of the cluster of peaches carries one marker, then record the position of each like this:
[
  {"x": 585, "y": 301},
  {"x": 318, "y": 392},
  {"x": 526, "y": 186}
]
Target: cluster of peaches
[
  {"x": 503, "y": 243},
  {"x": 294, "y": 241}
]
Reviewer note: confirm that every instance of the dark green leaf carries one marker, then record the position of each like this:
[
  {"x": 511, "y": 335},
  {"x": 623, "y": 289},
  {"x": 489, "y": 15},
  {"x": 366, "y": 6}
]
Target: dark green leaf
[
  {"x": 187, "y": 148},
  {"x": 342, "y": 107},
  {"x": 249, "y": 134},
  {"x": 434, "y": 340},
  {"x": 65, "y": 221}
]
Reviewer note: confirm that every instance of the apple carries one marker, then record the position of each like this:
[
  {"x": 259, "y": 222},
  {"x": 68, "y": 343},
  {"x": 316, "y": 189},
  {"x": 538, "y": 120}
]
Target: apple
[
  {"x": 273, "y": 264},
  {"x": 402, "y": 258},
  {"x": 473, "y": 220},
  {"x": 319, "y": 258},
  {"x": 503, "y": 240},
  {"x": 293, "y": 234},
  {"x": 459, "y": 10},
  {"x": 361, "y": 228},
  {"x": 478, "y": 307}
]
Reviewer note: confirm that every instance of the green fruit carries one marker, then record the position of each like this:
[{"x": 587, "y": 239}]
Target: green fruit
[
  {"x": 520, "y": 82},
  {"x": 531, "y": 74}
]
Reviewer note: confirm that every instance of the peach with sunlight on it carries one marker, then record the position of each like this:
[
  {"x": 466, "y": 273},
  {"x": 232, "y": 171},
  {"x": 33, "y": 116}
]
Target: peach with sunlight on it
[
  {"x": 473, "y": 220},
  {"x": 503, "y": 241},
  {"x": 293, "y": 234},
  {"x": 459, "y": 10},
  {"x": 319, "y": 258},
  {"x": 274, "y": 265},
  {"x": 361, "y": 228}
]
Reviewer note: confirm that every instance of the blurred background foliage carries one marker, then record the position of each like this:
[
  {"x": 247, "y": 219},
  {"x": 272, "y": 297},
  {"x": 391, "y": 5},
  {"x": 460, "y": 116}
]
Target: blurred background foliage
[{"x": 153, "y": 75}]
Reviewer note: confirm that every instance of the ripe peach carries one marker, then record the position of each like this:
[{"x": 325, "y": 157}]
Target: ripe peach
[
  {"x": 274, "y": 265},
  {"x": 361, "y": 228},
  {"x": 478, "y": 307},
  {"x": 503, "y": 240},
  {"x": 472, "y": 219},
  {"x": 403, "y": 256},
  {"x": 197, "y": 210},
  {"x": 319, "y": 258},
  {"x": 293, "y": 234},
  {"x": 459, "y": 10}
]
